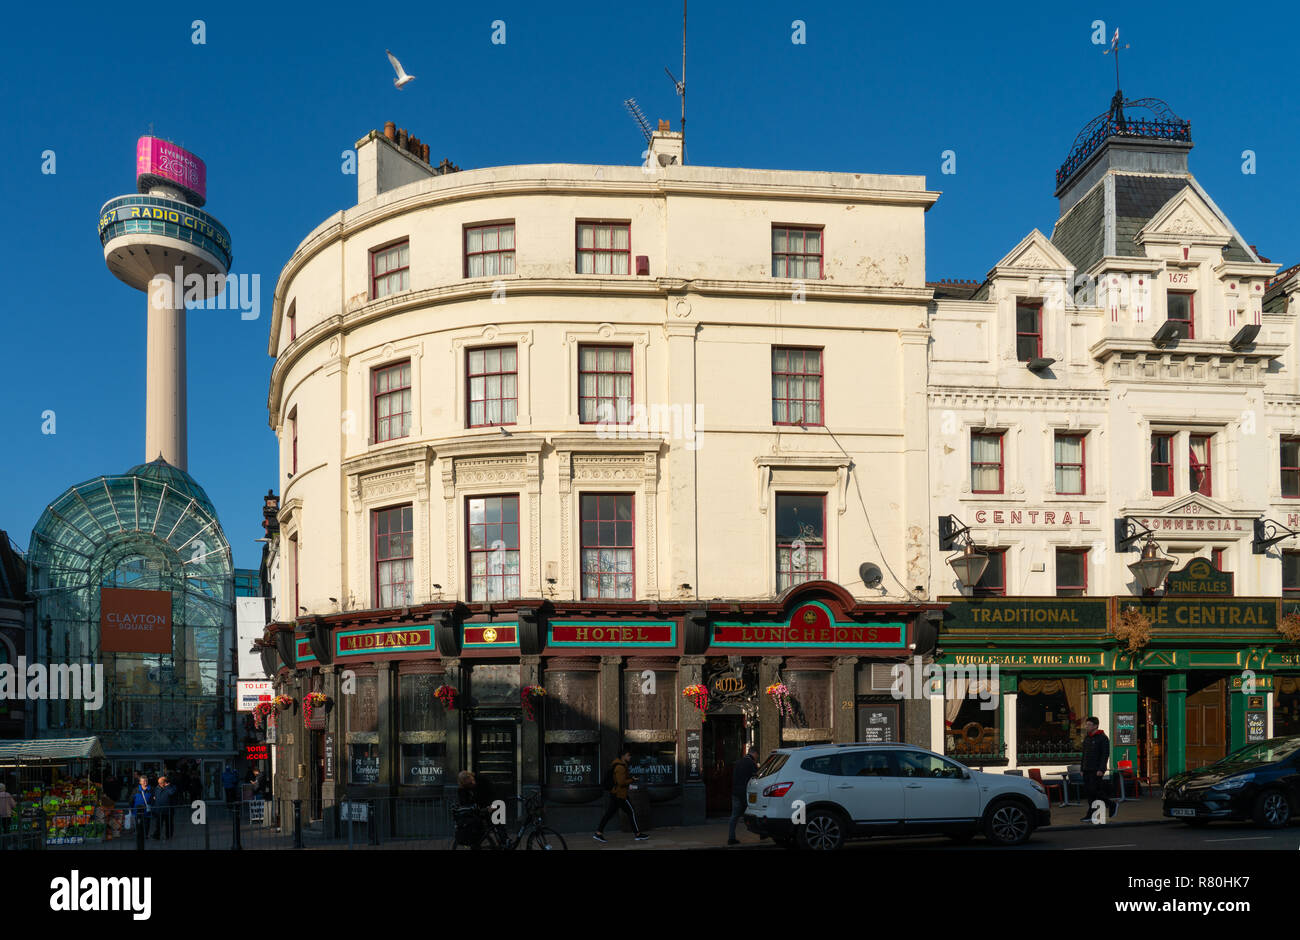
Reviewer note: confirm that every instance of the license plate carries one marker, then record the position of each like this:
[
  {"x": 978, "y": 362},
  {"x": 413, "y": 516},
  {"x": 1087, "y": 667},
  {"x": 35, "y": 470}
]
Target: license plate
[
  {"x": 753, "y": 797},
  {"x": 1182, "y": 812}
]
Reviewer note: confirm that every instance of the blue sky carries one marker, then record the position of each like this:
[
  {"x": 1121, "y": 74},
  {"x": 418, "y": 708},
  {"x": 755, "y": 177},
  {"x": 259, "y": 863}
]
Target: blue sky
[{"x": 275, "y": 95}]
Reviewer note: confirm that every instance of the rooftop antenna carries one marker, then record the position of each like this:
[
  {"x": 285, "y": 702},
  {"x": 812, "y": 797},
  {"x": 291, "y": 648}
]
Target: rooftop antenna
[
  {"x": 635, "y": 111},
  {"x": 680, "y": 87}
]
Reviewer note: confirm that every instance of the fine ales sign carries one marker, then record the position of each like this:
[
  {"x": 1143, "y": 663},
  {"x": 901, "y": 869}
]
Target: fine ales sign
[{"x": 1198, "y": 579}]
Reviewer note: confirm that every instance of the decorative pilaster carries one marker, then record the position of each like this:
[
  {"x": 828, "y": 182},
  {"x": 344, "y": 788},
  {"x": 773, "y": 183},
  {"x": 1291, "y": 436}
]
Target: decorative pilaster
[{"x": 844, "y": 699}]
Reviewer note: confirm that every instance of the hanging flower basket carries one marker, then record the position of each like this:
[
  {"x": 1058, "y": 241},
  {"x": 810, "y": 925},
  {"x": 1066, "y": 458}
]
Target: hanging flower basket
[
  {"x": 312, "y": 701},
  {"x": 1289, "y": 627},
  {"x": 1133, "y": 629},
  {"x": 780, "y": 693},
  {"x": 526, "y": 698},
  {"x": 699, "y": 696},
  {"x": 260, "y": 712},
  {"x": 283, "y": 702},
  {"x": 447, "y": 695}
]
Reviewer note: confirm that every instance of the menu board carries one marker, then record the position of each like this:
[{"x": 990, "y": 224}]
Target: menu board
[
  {"x": 1125, "y": 729},
  {"x": 877, "y": 724},
  {"x": 693, "y": 754},
  {"x": 1255, "y": 726}
]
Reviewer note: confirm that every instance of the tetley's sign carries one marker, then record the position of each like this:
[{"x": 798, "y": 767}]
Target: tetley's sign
[{"x": 810, "y": 624}]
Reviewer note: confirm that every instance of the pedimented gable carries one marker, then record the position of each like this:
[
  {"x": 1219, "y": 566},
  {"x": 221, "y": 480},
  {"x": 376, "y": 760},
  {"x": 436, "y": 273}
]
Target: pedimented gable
[
  {"x": 1185, "y": 218},
  {"x": 1036, "y": 253}
]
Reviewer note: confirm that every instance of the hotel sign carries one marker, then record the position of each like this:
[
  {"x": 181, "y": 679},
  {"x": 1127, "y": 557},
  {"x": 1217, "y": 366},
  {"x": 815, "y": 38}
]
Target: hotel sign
[
  {"x": 810, "y": 624},
  {"x": 1197, "y": 579},
  {"x": 360, "y": 642},
  {"x": 1175, "y": 613},
  {"x": 647, "y": 633},
  {"x": 1034, "y": 613}
]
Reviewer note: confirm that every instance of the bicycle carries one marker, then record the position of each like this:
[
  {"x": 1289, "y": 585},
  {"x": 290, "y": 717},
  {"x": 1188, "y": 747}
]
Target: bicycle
[{"x": 532, "y": 834}]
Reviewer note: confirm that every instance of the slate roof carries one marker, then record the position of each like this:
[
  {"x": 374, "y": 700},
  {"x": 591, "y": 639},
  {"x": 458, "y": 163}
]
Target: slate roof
[
  {"x": 1081, "y": 234},
  {"x": 1137, "y": 199}
]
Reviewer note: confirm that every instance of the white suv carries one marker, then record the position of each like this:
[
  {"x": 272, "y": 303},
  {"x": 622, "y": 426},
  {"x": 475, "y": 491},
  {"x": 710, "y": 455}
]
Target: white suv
[{"x": 850, "y": 790}]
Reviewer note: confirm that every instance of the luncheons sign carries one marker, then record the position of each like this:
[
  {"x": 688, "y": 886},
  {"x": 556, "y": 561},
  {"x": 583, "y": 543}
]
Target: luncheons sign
[
  {"x": 810, "y": 625},
  {"x": 161, "y": 161},
  {"x": 132, "y": 621}
]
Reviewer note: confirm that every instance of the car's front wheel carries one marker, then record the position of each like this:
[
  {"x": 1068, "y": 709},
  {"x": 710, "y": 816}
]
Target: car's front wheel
[
  {"x": 823, "y": 831},
  {"x": 1007, "y": 822},
  {"x": 1272, "y": 809}
]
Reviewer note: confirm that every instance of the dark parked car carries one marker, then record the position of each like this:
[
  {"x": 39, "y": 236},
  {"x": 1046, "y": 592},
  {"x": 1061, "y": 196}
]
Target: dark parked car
[{"x": 1260, "y": 782}]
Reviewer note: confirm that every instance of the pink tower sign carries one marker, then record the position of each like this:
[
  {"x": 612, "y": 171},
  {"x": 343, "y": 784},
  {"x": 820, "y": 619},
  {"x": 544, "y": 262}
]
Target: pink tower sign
[{"x": 158, "y": 160}]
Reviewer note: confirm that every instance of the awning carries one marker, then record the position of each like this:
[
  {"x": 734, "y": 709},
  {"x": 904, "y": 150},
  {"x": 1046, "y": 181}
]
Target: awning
[{"x": 50, "y": 751}]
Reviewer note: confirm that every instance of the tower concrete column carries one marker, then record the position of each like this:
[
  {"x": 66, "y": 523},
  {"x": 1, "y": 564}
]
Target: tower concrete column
[{"x": 165, "y": 376}]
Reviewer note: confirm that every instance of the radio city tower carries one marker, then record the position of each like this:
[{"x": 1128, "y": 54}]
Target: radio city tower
[{"x": 161, "y": 242}]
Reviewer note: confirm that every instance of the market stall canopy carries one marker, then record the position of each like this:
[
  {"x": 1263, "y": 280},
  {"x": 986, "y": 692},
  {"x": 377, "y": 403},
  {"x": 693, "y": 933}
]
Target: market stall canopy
[{"x": 53, "y": 750}]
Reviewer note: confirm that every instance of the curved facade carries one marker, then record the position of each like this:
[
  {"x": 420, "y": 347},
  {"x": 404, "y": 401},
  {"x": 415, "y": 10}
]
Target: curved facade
[{"x": 554, "y": 425}]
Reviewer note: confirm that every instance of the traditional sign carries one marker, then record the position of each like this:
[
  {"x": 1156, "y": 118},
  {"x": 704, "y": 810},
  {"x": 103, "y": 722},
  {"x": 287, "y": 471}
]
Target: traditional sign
[
  {"x": 132, "y": 621},
  {"x": 1197, "y": 579},
  {"x": 1033, "y": 613},
  {"x": 613, "y": 633},
  {"x": 248, "y": 692},
  {"x": 484, "y": 635},
  {"x": 1126, "y": 729},
  {"x": 810, "y": 624},
  {"x": 361, "y": 642},
  {"x": 1173, "y": 613},
  {"x": 158, "y": 160}
]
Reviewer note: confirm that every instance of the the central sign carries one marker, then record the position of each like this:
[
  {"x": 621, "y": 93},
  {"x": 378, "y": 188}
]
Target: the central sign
[{"x": 810, "y": 624}]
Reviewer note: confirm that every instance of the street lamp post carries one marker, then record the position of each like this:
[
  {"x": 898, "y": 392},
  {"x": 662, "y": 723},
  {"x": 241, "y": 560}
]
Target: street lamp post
[{"x": 970, "y": 563}]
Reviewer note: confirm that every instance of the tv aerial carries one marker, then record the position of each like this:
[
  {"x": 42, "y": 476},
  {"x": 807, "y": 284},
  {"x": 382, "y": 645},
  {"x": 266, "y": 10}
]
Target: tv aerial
[{"x": 634, "y": 109}]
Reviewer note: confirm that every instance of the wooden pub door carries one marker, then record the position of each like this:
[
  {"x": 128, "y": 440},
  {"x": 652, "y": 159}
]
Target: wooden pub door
[{"x": 1206, "y": 740}]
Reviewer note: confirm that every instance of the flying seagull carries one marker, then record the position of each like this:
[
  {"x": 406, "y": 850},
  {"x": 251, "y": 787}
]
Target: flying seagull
[{"x": 402, "y": 78}]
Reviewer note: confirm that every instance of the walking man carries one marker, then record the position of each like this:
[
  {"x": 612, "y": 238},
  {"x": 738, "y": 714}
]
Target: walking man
[
  {"x": 617, "y": 779},
  {"x": 744, "y": 771},
  {"x": 163, "y": 801},
  {"x": 230, "y": 783},
  {"x": 1096, "y": 756}
]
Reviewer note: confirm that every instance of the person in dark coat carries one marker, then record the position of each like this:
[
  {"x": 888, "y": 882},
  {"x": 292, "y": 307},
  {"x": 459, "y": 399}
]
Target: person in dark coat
[
  {"x": 744, "y": 771},
  {"x": 164, "y": 801},
  {"x": 1096, "y": 757},
  {"x": 142, "y": 803},
  {"x": 469, "y": 820},
  {"x": 230, "y": 783}
]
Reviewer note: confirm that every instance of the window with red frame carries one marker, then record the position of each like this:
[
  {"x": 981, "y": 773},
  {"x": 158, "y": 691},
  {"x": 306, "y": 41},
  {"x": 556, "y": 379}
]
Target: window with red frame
[
  {"x": 1029, "y": 331},
  {"x": 604, "y": 248},
  {"x": 490, "y": 249},
  {"x": 993, "y": 582},
  {"x": 1181, "y": 307},
  {"x": 986, "y": 474},
  {"x": 797, "y": 386},
  {"x": 493, "y": 528},
  {"x": 797, "y": 252},
  {"x": 1071, "y": 572},
  {"x": 391, "y": 388},
  {"x": 1162, "y": 465},
  {"x": 1216, "y": 558},
  {"x": 1291, "y": 467},
  {"x": 1291, "y": 575},
  {"x": 604, "y": 384},
  {"x": 493, "y": 377},
  {"x": 800, "y": 539},
  {"x": 1071, "y": 479},
  {"x": 1198, "y": 464},
  {"x": 390, "y": 270},
  {"x": 394, "y": 557},
  {"x": 608, "y": 546}
]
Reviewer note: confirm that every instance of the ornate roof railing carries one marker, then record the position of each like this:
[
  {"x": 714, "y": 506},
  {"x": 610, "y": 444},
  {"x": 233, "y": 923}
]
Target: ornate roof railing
[{"x": 1166, "y": 125}]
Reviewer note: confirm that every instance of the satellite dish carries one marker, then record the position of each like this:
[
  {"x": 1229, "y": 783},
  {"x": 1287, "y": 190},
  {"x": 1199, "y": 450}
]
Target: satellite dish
[{"x": 870, "y": 574}]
